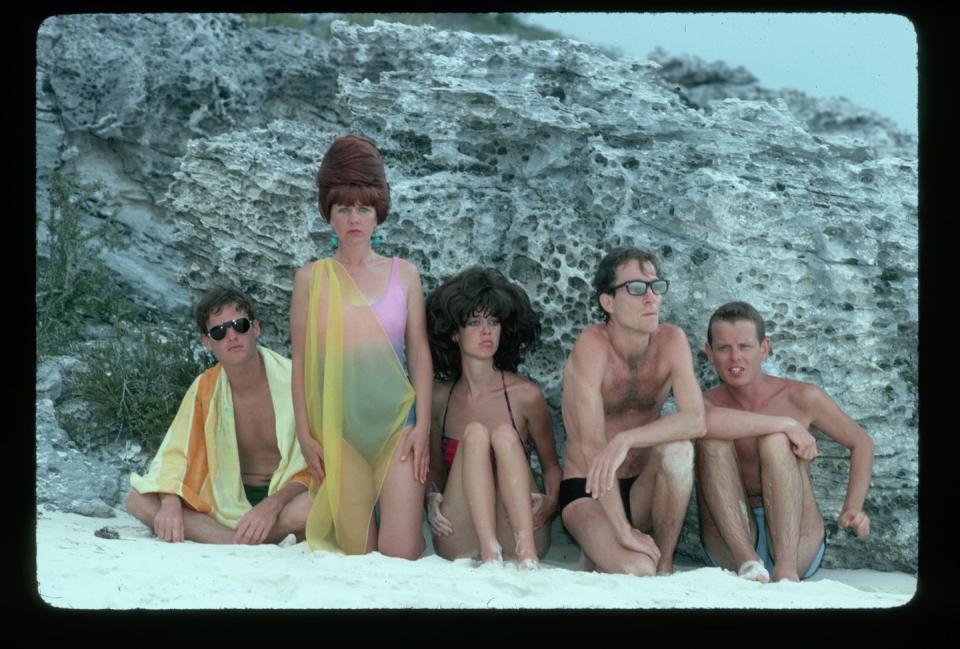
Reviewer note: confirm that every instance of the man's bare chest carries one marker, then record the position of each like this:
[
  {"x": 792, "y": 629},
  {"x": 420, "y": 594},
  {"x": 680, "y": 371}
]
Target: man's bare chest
[{"x": 637, "y": 390}]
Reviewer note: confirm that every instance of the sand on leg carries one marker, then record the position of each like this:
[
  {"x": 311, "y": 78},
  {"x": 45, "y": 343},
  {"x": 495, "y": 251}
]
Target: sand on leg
[
  {"x": 660, "y": 495},
  {"x": 727, "y": 528}
]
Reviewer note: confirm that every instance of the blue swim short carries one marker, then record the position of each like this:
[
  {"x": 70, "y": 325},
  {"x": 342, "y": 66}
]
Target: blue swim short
[{"x": 763, "y": 551}]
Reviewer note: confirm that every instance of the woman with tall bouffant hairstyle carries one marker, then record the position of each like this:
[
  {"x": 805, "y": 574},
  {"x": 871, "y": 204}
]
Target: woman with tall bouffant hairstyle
[
  {"x": 361, "y": 370},
  {"x": 482, "y": 500}
]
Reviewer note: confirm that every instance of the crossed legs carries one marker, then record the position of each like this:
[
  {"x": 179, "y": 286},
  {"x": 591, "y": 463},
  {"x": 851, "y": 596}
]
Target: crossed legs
[{"x": 203, "y": 528}]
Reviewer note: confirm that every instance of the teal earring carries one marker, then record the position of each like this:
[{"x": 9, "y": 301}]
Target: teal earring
[
  {"x": 334, "y": 241},
  {"x": 377, "y": 239}
]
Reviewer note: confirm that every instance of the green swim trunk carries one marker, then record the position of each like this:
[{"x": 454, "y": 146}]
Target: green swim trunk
[{"x": 255, "y": 494}]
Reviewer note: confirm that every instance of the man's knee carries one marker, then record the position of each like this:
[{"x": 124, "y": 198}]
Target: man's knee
[
  {"x": 774, "y": 446},
  {"x": 294, "y": 516},
  {"x": 143, "y": 507},
  {"x": 137, "y": 503},
  {"x": 676, "y": 458}
]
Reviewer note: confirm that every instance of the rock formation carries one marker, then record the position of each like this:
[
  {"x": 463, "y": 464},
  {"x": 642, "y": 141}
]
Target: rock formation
[{"x": 534, "y": 157}]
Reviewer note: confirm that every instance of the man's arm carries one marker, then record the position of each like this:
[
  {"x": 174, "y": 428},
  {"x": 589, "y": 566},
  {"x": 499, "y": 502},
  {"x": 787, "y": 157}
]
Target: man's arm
[
  {"x": 729, "y": 423},
  {"x": 836, "y": 424},
  {"x": 688, "y": 422}
]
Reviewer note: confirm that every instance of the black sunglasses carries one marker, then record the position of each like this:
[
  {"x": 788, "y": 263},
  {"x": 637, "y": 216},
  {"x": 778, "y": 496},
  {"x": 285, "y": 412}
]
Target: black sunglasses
[
  {"x": 639, "y": 287},
  {"x": 240, "y": 325}
]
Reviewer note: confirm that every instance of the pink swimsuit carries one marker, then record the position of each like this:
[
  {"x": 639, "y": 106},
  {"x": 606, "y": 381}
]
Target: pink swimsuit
[{"x": 391, "y": 311}]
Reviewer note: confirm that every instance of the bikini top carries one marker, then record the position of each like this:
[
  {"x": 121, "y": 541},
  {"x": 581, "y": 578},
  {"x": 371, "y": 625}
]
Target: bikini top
[{"x": 446, "y": 408}]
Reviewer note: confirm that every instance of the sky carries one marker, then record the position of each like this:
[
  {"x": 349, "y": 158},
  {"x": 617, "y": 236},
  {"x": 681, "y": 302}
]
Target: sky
[{"x": 869, "y": 58}]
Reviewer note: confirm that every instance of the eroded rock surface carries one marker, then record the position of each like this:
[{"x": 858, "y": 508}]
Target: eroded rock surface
[{"x": 535, "y": 157}]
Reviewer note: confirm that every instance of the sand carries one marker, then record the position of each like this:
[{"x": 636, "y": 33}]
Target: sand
[{"x": 116, "y": 563}]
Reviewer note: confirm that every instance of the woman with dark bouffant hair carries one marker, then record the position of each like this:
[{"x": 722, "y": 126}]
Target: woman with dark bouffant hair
[
  {"x": 357, "y": 323},
  {"x": 482, "y": 499}
]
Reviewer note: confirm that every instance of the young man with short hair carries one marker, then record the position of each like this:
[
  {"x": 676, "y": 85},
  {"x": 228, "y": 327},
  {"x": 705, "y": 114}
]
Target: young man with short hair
[
  {"x": 757, "y": 508},
  {"x": 627, "y": 470},
  {"x": 229, "y": 469}
]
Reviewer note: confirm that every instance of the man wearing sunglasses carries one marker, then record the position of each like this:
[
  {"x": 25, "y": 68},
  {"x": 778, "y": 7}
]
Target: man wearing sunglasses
[
  {"x": 627, "y": 469},
  {"x": 758, "y": 426},
  {"x": 229, "y": 469}
]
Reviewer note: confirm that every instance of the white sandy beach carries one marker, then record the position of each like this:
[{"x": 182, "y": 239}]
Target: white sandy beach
[{"x": 77, "y": 569}]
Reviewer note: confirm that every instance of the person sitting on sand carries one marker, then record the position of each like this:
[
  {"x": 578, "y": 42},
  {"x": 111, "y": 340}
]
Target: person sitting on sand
[
  {"x": 482, "y": 500},
  {"x": 627, "y": 468},
  {"x": 757, "y": 454},
  {"x": 229, "y": 469}
]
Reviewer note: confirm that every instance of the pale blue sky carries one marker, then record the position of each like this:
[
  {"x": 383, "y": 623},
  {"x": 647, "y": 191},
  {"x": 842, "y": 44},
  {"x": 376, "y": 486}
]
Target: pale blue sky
[{"x": 871, "y": 59}]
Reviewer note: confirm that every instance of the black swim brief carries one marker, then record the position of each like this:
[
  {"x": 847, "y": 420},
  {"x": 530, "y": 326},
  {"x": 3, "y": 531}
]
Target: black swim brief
[
  {"x": 576, "y": 488},
  {"x": 255, "y": 493}
]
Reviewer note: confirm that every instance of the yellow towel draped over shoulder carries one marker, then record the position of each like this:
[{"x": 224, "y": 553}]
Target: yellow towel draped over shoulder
[
  {"x": 198, "y": 459},
  {"x": 358, "y": 400}
]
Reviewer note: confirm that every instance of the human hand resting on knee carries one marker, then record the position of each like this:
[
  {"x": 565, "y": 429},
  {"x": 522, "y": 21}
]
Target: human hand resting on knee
[
  {"x": 168, "y": 523},
  {"x": 438, "y": 523},
  {"x": 636, "y": 540},
  {"x": 543, "y": 508},
  {"x": 603, "y": 469},
  {"x": 257, "y": 523}
]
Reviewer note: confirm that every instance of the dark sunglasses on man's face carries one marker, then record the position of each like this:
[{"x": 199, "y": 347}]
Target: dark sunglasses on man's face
[
  {"x": 240, "y": 325},
  {"x": 639, "y": 287}
]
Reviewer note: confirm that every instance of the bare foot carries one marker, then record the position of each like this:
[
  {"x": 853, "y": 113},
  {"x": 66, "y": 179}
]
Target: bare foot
[
  {"x": 754, "y": 571},
  {"x": 492, "y": 554}
]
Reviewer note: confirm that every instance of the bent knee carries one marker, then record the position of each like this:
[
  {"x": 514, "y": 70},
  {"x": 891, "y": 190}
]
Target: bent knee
[
  {"x": 504, "y": 437},
  {"x": 476, "y": 433},
  {"x": 676, "y": 458},
  {"x": 408, "y": 551},
  {"x": 714, "y": 447},
  {"x": 774, "y": 443},
  {"x": 142, "y": 506}
]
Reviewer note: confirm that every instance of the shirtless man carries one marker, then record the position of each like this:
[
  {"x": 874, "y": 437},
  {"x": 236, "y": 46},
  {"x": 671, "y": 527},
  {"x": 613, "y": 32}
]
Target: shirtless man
[
  {"x": 265, "y": 444},
  {"x": 757, "y": 453},
  {"x": 628, "y": 470}
]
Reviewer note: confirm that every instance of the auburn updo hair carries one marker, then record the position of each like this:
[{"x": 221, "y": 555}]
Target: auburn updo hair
[{"x": 352, "y": 173}]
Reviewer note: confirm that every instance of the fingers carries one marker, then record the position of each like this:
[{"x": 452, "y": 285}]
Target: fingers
[
  {"x": 169, "y": 529},
  {"x": 406, "y": 446},
  {"x": 423, "y": 464},
  {"x": 438, "y": 522},
  {"x": 440, "y": 525},
  {"x": 857, "y": 521},
  {"x": 315, "y": 464},
  {"x": 593, "y": 480}
]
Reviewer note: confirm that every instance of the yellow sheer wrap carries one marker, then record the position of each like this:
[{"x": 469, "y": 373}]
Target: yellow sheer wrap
[{"x": 358, "y": 400}]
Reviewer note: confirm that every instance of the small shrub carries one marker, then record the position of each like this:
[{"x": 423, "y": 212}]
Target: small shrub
[
  {"x": 134, "y": 388},
  {"x": 73, "y": 285}
]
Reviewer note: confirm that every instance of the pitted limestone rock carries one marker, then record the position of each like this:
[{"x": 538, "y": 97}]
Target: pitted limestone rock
[{"x": 536, "y": 158}]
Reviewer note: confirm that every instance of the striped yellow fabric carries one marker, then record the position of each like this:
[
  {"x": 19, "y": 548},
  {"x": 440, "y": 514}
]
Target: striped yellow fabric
[
  {"x": 358, "y": 399},
  {"x": 199, "y": 460}
]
